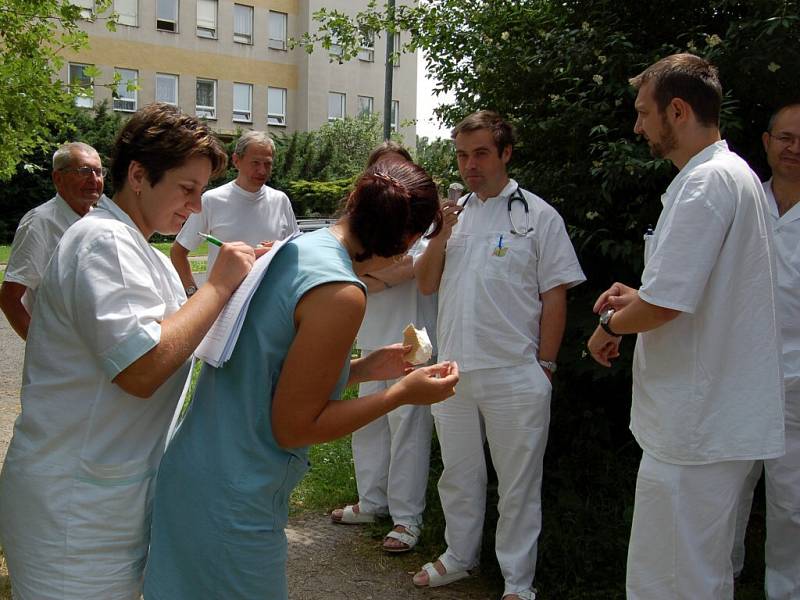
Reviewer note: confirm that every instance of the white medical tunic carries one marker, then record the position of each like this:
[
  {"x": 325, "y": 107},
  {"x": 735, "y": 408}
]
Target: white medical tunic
[
  {"x": 36, "y": 238},
  {"x": 707, "y": 386},
  {"x": 231, "y": 214},
  {"x": 786, "y": 229},
  {"x": 489, "y": 304},
  {"x": 77, "y": 481}
]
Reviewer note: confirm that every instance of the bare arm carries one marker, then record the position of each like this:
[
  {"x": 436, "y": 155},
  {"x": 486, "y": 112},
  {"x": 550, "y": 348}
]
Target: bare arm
[
  {"x": 302, "y": 411},
  {"x": 552, "y": 323},
  {"x": 636, "y": 316},
  {"x": 180, "y": 260},
  {"x": 429, "y": 265},
  {"x": 11, "y": 304},
  {"x": 182, "y": 331}
]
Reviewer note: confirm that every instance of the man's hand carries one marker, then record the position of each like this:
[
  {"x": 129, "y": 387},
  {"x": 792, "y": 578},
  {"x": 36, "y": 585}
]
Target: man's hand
[
  {"x": 450, "y": 212},
  {"x": 603, "y": 347},
  {"x": 386, "y": 363},
  {"x": 618, "y": 296}
]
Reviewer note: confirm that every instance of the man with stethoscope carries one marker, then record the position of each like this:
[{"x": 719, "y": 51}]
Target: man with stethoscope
[{"x": 502, "y": 265}]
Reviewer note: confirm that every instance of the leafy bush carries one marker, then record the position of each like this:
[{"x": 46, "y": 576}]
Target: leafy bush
[{"x": 318, "y": 198}]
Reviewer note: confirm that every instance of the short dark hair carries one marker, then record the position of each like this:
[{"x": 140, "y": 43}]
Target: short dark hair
[
  {"x": 688, "y": 77},
  {"x": 503, "y": 133},
  {"x": 161, "y": 138},
  {"x": 392, "y": 201},
  {"x": 779, "y": 109},
  {"x": 388, "y": 147}
]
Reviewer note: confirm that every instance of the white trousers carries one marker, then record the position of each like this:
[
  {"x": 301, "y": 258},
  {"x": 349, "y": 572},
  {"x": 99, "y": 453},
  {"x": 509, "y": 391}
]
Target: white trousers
[
  {"x": 509, "y": 407},
  {"x": 782, "y": 485},
  {"x": 392, "y": 457},
  {"x": 684, "y": 518}
]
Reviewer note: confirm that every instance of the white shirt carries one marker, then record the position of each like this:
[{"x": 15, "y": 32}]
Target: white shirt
[
  {"x": 36, "y": 238},
  {"x": 489, "y": 304},
  {"x": 391, "y": 310},
  {"x": 84, "y": 453},
  {"x": 707, "y": 386},
  {"x": 231, "y": 214},
  {"x": 786, "y": 229}
]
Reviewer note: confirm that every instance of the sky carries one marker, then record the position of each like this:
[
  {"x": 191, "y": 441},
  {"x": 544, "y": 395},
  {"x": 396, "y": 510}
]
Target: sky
[{"x": 427, "y": 125}]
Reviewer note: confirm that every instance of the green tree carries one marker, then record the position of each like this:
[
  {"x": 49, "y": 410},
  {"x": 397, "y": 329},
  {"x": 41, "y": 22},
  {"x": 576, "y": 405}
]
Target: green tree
[{"x": 33, "y": 35}]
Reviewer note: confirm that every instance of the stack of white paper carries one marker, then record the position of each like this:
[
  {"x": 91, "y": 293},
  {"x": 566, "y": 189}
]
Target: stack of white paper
[{"x": 217, "y": 347}]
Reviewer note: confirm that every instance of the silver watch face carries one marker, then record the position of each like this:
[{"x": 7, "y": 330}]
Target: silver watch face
[{"x": 605, "y": 316}]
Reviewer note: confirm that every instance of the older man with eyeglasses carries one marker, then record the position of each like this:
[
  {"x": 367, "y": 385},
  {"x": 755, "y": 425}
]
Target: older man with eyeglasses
[
  {"x": 782, "y": 475},
  {"x": 78, "y": 179}
]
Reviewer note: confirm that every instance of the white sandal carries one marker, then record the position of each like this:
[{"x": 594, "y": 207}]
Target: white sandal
[
  {"x": 409, "y": 537},
  {"x": 526, "y": 595},
  {"x": 436, "y": 579},
  {"x": 351, "y": 517}
]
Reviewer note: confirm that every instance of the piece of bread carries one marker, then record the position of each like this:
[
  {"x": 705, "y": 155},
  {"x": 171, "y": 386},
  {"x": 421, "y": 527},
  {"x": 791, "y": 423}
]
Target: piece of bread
[{"x": 421, "y": 348}]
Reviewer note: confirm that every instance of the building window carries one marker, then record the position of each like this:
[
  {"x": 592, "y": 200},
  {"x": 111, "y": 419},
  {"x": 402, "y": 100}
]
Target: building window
[
  {"x": 276, "y": 106},
  {"x": 242, "y": 24},
  {"x": 206, "y": 99},
  {"x": 243, "y": 102},
  {"x": 278, "y": 26},
  {"x": 395, "y": 114},
  {"x": 367, "y": 50},
  {"x": 336, "y": 48},
  {"x": 207, "y": 19},
  {"x": 365, "y": 105},
  {"x": 127, "y": 12},
  {"x": 167, "y": 15},
  {"x": 81, "y": 85},
  {"x": 124, "y": 96},
  {"x": 336, "y": 106},
  {"x": 396, "y": 59},
  {"x": 167, "y": 88},
  {"x": 87, "y": 8}
]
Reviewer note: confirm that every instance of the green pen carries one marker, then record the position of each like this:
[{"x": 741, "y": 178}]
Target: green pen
[{"x": 210, "y": 238}]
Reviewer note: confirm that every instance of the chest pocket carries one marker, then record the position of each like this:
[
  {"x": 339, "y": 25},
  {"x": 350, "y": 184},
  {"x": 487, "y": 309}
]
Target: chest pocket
[
  {"x": 456, "y": 256},
  {"x": 511, "y": 261}
]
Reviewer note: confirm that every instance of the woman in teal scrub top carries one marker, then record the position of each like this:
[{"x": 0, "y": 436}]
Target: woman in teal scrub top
[{"x": 224, "y": 483}]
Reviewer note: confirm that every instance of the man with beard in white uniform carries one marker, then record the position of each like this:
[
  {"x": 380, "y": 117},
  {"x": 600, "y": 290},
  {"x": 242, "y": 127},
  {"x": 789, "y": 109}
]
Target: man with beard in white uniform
[
  {"x": 707, "y": 389},
  {"x": 502, "y": 271},
  {"x": 782, "y": 475}
]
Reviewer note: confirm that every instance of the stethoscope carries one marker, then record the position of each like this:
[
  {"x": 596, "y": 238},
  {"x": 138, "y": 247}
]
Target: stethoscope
[{"x": 515, "y": 197}]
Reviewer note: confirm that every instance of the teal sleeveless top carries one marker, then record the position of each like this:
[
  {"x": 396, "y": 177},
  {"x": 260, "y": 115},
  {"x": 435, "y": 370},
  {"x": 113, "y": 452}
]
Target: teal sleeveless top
[{"x": 222, "y": 493}]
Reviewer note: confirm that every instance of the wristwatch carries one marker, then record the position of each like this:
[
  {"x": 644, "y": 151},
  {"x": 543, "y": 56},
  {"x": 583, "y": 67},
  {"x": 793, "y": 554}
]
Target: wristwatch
[
  {"x": 605, "y": 319},
  {"x": 550, "y": 365},
  {"x": 190, "y": 291}
]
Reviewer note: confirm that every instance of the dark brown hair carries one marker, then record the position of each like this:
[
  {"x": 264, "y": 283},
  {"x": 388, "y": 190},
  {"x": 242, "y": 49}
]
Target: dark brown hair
[
  {"x": 160, "y": 137},
  {"x": 688, "y": 77},
  {"x": 388, "y": 147},
  {"x": 392, "y": 202},
  {"x": 503, "y": 133}
]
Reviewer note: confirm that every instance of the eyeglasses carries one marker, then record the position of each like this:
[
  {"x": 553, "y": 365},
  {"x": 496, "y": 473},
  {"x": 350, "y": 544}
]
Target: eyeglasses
[
  {"x": 786, "y": 139},
  {"x": 86, "y": 171}
]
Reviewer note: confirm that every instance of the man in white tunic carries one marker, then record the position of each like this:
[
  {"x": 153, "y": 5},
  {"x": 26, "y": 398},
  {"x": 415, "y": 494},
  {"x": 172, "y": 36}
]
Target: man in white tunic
[
  {"x": 782, "y": 475},
  {"x": 245, "y": 209},
  {"x": 707, "y": 383},
  {"x": 78, "y": 179},
  {"x": 502, "y": 272}
]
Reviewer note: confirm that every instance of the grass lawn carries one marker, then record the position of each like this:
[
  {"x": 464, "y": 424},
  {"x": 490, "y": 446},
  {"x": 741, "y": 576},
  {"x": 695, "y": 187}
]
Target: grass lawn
[
  {"x": 5, "y": 250},
  {"x": 201, "y": 250}
]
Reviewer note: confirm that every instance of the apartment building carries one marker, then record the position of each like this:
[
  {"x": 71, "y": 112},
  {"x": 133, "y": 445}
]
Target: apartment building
[{"x": 229, "y": 62}]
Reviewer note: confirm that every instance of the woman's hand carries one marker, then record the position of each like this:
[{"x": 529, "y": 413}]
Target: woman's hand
[
  {"x": 382, "y": 364},
  {"x": 234, "y": 261},
  {"x": 426, "y": 385}
]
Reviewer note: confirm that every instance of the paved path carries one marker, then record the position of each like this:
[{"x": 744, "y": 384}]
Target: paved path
[{"x": 326, "y": 561}]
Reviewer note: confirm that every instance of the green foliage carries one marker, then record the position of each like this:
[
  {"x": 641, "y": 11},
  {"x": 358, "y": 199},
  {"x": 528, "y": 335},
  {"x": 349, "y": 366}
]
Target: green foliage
[
  {"x": 33, "y": 36},
  {"x": 318, "y": 198},
  {"x": 438, "y": 158}
]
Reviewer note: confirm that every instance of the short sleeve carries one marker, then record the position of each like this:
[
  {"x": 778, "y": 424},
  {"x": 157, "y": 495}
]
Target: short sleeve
[
  {"x": 558, "y": 264},
  {"x": 196, "y": 223},
  {"x": 29, "y": 255},
  {"x": 689, "y": 244},
  {"x": 290, "y": 217},
  {"x": 116, "y": 300}
]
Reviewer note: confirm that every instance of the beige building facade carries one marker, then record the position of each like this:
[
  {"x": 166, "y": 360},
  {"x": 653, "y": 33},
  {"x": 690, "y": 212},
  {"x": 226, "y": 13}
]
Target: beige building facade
[{"x": 229, "y": 62}]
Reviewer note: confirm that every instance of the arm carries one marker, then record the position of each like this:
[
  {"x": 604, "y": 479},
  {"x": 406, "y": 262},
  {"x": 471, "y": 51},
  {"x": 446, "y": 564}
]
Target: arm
[
  {"x": 180, "y": 260},
  {"x": 11, "y": 304},
  {"x": 635, "y": 317},
  {"x": 390, "y": 276},
  {"x": 552, "y": 323},
  {"x": 429, "y": 266},
  {"x": 182, "y": 331},
  {"x": 302, "y": 411}
]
